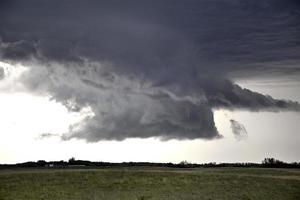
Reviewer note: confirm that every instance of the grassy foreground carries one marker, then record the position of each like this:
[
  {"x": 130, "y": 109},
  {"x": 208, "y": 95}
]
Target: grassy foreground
[{"x": 155, "y": 183}]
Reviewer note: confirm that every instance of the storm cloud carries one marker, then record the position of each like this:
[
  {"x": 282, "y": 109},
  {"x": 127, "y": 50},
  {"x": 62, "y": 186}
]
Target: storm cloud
[{"x": 151, "y": 68}]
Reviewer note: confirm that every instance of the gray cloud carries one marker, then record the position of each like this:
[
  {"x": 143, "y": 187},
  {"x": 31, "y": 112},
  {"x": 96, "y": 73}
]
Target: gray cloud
[
  {"x": 2, "y": 74},
  {"x": 123, "y": 107},
  {"x": 217, "y": 36},
  {"x": 224, "y": 93},
  {"x": 47, "y": 135},
  {"x": 151, "y": 68},
  {"x": 238, "y": 130},
  {"x": 175, "y": 121}
]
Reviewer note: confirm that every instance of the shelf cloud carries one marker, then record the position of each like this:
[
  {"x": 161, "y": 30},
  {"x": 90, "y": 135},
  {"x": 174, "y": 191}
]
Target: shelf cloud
[{"x": 151, "y": 68}]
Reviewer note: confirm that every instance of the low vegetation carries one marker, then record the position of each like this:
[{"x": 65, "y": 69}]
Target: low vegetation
[{"x": 137, "y": 183}]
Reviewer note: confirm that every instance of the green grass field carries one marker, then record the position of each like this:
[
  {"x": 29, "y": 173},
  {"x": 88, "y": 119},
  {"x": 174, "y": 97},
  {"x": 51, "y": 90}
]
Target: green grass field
[{"x": 147, "y": 183}]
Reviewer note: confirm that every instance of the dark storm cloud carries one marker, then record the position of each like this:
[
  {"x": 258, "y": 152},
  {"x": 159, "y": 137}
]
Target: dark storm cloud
[
  {"x": 224, "y": 93},
  {"x": 176, "y": 120},
  {"x": 151, "y": 68},
  {"x": 238, "y": 129}
]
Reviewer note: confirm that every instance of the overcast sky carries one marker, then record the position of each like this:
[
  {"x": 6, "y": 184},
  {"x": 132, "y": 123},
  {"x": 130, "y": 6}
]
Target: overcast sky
[{"x": 159, "y": 81}]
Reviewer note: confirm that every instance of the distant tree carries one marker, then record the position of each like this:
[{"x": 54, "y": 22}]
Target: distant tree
[
  {"x": 272, "y": 162},
  {"x": 268, "y": 161},
  {"x": 41, "y": 163},
  {"x": 184, "y": 162},
  {"x": 72, "y": 160}
]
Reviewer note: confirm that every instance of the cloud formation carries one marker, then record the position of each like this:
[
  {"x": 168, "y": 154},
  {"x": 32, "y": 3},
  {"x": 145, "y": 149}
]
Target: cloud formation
[
  {"x": 238, "y": 129},
  {"x": 151, "y": 68},
  {"x": 2, "y": 74}
]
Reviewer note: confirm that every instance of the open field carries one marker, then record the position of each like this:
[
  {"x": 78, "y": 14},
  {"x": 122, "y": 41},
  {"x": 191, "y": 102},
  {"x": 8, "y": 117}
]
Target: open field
[{"x": 150, "y": 183}]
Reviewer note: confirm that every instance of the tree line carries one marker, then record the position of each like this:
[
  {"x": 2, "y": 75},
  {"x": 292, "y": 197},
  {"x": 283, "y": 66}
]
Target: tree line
[{"x": 73, "y": 163}]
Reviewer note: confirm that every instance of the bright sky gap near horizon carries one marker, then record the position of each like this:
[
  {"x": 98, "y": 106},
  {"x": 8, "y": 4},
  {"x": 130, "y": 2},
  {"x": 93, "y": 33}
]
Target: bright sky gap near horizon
[{"x": 154, "y": 81}]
